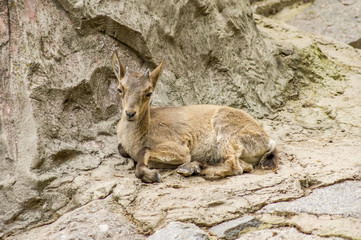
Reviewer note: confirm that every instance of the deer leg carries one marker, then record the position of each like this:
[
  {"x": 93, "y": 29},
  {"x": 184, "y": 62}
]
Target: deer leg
[
  {"x": 122, "y": 152},
  {"x": 227, "y": 168},
  {"x": 189, "y": 168},
  {"x": 230, "y": 164},
  {"x": 143, "y": 172},
  {"x": 245, "y": 166},
  {"x": 170, "y": 153},
  {"x": 270, "y": 160}
]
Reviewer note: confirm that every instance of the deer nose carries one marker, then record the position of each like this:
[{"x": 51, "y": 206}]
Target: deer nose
[{"x": 130, "y": 114}]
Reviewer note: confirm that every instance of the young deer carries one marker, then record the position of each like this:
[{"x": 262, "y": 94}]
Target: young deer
[{"x": 215, "y": 141}]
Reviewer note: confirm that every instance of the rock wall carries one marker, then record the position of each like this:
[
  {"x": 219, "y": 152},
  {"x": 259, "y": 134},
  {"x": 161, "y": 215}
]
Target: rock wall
[
  {"x": 212, "y": 49},
  {"x": 58, "y": 108},
  {"x": 339, "y": 19}
]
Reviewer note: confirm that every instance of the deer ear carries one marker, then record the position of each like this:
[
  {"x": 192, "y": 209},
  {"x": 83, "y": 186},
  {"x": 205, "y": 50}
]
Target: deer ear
[
  {"x": 118, "y": 67},
  {"x": 154, "y": 76}
]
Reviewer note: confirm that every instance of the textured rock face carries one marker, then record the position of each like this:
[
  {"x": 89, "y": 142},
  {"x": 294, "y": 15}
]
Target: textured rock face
[
  {"x": 269, "y": 8},
  {"x": 341, "y": 199},
  {"x": 282, "y": 233},
  {"x": 330, "y": 211},
  {"x": 96, "y": 220},
  {"x": 180, "y": 231},
  {"x": 58, "y": 108},
  {"x": 340, "y": 20},
  {"x": 231, "y": 229},
  {"x": 213, "y": 50}
]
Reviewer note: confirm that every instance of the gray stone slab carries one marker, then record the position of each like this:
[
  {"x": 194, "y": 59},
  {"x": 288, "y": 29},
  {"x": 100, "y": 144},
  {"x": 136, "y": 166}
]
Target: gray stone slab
[
  {"x": 339, "y": 19},
  {"x": 231, "y": 229},
  {"x": 282, "y": 234},
  {"x": 179, "y": 231},
  {"x": 342, "y": 199}
]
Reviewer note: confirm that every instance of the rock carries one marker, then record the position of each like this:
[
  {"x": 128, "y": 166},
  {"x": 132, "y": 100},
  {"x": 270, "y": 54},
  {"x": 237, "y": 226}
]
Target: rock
[
  {"x": 340, "y": 20},
  {"x": 97, "y": 220},
  {"x": 4, "y": 25},
  {"x": 339, "y": 199},
  {"x": 56, "y": 96},
  {"x": 323, "y": 225},
  {"x": 280, "y": 234},
  {"x": 207, "y": 61},
  {"x": 179, "y": 231},
  {"x": 270, "y": 8},
  {"x": 317, "y": 16},
  {"x": 195, "y": 199},
  {"x": 328, "y": 211},
  {"x": 231, "y": 229}
]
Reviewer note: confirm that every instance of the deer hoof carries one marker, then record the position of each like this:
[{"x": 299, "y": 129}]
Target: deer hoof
[
  {"x": 152, "y": 177},
  {"x": 184, "y": 171},
  {"x": 158, "y": 178},
  {"x": 189, "y": 168}
]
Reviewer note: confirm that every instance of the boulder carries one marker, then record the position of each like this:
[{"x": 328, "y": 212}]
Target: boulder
[
  {"x": 231, "y": 229},
  {"x": 339, "y": 199},
  {"x": 179, "y": 231}
]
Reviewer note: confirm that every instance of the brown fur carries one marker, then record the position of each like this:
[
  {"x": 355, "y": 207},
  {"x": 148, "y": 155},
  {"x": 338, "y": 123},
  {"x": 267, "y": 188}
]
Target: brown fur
[{"x": 215, "y": 141}]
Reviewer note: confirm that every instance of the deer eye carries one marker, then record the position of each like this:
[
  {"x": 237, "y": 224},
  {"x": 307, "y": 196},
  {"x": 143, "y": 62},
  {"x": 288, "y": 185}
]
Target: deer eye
[
  {"x": 148, "y": 94},
  {"x": 119, "y": 91}
]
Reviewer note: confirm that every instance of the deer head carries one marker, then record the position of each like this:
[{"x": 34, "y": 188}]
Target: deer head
[{"x": 135, "y": 89}]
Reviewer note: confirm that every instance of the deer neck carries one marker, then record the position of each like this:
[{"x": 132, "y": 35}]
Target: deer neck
[{"x": 133, "y": 133}]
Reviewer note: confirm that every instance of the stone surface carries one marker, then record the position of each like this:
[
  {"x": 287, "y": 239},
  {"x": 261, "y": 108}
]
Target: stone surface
[
  {"x": 98, "y": 220},
  {"x": 270, "y": 8},
  {"x": 339, "y": 199},
  {"x": 232, "y": 229},
  {"x": 329, "y": 211},
  {"x": 337, "y": 19},
  {"x": 340, "y": 20},
  {"x": 281, "y": 234},
  {"x": 323, "y": 225},
  {"x": 179, "y": 231}
]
